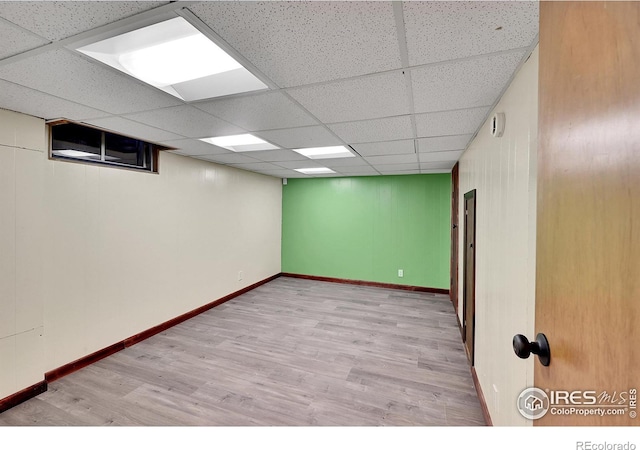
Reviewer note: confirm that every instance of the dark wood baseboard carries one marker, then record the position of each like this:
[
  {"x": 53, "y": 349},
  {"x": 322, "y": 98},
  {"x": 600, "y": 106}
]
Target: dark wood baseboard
[
  {"x": 368, "y": 283},
  {"x": 22, "y": 396},
  {"x": 483, "y": 402},
  {"x": 136, "y": 338},
  {"x": 128, "y": 342},
  {"x": 78, "y": 364},
  {"x": 476, "y": 383}
]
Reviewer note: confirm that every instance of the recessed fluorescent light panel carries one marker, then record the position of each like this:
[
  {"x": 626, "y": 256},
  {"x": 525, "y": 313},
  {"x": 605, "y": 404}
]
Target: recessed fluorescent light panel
[
  {"x": 325, "y": 152},
  {"x": 315, "y": 170},
  {"x": 241, "y": 143},
  {"x": 177, "y": 58}
]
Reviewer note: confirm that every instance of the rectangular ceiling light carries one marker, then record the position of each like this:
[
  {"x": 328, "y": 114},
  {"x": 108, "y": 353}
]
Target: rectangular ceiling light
[
  {"x": 315, "y": 170},
  {"x": 325, "y": 152},
  {"x": 177, "y": 58},
  {"x": 240, "y": 143}
]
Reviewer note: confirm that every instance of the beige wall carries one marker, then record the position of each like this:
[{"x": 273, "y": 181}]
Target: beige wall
[
  {"x": 22, "y": 157},
  {"x": 122, "y": 251},
  {"x": 503, "y": 171}
]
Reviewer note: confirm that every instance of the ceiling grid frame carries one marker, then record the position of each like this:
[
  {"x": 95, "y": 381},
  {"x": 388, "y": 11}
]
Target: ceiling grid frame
[{"x": 342, "y": 120}]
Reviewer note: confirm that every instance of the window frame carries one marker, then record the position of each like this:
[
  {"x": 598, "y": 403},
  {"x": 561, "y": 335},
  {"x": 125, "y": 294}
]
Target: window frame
[{"x": 153, "y": 154}]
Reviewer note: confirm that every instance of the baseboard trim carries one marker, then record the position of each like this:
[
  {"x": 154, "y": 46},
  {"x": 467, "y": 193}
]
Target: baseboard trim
[
  {"x": 368, "y": 283},
  {"x": 176, "y": 320},
  {"x": 483, "y": 402},
  {"x": 22, "y": 396},
  {"x": 476, "y": 384},
  {"x": 78, "y": 364}
]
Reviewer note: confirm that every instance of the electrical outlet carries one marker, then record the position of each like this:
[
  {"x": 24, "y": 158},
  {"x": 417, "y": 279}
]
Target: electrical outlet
[
  {"x": 400, "y": 273},
  {"x": 240, "y": 275}
]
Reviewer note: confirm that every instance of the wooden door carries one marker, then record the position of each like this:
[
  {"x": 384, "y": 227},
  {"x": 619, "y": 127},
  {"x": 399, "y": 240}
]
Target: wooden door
[
  {"x": 588, "y": 233},
  {"x": 469, "y": 286},
  {"x": 453, "y": 289}
]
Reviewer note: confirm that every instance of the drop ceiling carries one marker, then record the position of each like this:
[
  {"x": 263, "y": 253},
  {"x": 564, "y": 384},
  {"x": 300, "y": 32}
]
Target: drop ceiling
[{"x": 405, "y": 85}]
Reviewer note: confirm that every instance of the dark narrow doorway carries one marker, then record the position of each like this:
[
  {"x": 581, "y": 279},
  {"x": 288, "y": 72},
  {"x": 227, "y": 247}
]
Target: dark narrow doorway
[{"x": 469, "y": 287}]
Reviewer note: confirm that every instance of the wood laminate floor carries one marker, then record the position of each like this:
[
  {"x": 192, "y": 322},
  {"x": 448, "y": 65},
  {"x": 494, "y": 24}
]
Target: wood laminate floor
[{"x": 291, "y": 352}]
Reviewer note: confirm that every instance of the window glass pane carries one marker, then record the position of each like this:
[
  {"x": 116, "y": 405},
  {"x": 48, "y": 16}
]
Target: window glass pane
[
  {"x": 75, "y": 141},
  {"x": 125, "y": 150}
]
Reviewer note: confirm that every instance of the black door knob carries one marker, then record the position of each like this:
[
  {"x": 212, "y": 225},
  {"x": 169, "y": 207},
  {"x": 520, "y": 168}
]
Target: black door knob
[{"x": 523, "y": 348}]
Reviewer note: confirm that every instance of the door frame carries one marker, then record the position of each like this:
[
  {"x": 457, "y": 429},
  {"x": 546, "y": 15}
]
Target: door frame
[
  {"x": 455, "y": 233},
  {"x": 469, "y": 296}
]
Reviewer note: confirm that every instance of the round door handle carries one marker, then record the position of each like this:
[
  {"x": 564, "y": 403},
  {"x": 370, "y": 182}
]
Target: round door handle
[{"x": 523, "y": 348}]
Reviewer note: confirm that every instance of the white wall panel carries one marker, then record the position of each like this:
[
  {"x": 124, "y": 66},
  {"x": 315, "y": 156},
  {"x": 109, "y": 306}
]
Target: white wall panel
[
  {"x": 7, "y": 240},
  {"x": 28, "y": 238},
  {"x": 132, "y": 250},
  {"x": 8, "y": 384},
  {"x": 29, "y": 357},
  {"x": 29, "y": 132},
  {"x": 92, "y": 255},
  {"x": 21, "y": 226},
  {"x": 503, "y": 171}
]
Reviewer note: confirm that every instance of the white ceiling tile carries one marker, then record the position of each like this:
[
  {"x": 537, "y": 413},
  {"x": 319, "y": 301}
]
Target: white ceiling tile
[
  {"x": 443, "y": 143},
  {"x": 386, "y": 129},
  {"x": 299, "y": 164},
  {"x": 38, "y": 104},
  {"x": 327, "y": 175},
  {"x": 14, "y": 40},
  {"x": 385, "y": 148},
  {"x": 67, "y": 75},
  {"x": 346, "y": 38},
  {"x": 342, "y": 162},
  {"x": 460, "y": 29},
  {"x": 276, "y": 155},
  {"x": 427, "y": 171},
  {"x": 195, "y": 147},
  {"x": 257, "y": 166},
  {"x": 56, "y": 20},
  {"x": 348, "y": 51},
  {"x": 390, "y": 171},
  {"x": 392, "y": 159},
  {"x": 259, "y": 112},
  {"x": 176, "y": 152},
  {"x": 438, "y": 165},
  {"x": 460, "y": 121},
  {"x": 463, "y": 84},
  {"x": 281, "y": 173},
  {"x": 357, "y": 170},
  {"x": 404, "y": 166},
  {"x": 315, "y": 136},
  {"x": 186, "y": 121},
  {"x": 436, "y": 157},
  {"x": 368, "y": 97},
  {"x": 229, "y": 158},
  {"x": 133, "y": 129}
]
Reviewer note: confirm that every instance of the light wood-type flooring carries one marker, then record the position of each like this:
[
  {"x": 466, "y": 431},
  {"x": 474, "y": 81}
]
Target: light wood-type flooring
[{"x": 291, "y": 352}]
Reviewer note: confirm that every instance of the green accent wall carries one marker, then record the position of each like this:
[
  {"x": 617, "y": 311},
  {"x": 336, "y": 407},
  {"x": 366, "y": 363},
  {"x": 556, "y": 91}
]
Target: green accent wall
[{"x": 366, "y": 228}]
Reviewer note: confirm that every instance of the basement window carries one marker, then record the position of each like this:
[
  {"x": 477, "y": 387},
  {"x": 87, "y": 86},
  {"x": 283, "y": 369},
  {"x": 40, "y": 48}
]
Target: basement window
[{"x": 80, "y": 143}]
